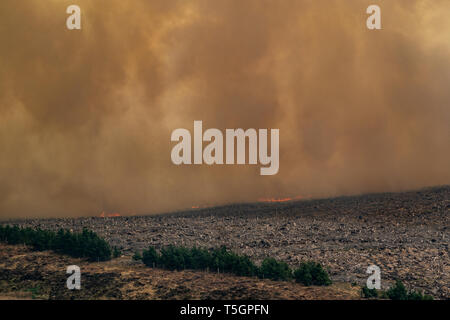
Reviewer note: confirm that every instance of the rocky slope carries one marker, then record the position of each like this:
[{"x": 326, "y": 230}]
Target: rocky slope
[{"x": 406, "y": 234}]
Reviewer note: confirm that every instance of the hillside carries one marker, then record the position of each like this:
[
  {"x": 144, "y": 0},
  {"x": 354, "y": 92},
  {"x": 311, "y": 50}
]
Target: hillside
[
  {"x": 42, "y": 275},
  {"x": 406, "y": 234}
]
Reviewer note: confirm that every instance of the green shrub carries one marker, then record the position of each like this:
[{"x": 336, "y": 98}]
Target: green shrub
[
  {"x": 116, "y": 252},
  {"x": 369, "y": 293},
  {"x": 245, "y": 267},
  {"x": 137, "y": 256},
  {"x": 414, "y": 295},
  {"x": 173, "y": 258},
  {"x": 399, "y": 292},
  {"x": 227, "y": 261},
  {"x": 80, "y": 245},
  {"x": 275, "y": 270},
  {"x": 89, "y": 244},
  {"x": 150, "y": 257},
  {"x": 312, "y": 274},
  {"x": 180, "y": 258},
  {"x": 201, "y": 259}
]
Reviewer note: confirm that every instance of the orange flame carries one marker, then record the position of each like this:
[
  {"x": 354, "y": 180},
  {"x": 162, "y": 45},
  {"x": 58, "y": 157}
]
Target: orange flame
[
  {"x": 267, "y": 200},
  {"x": 280, "y": 199},
  {"x": 204, "y": 206},
  {"x": 109, "y": 215}
]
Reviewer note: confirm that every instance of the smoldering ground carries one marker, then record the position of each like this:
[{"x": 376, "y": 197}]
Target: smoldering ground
[{"x": 86, "y": 115}]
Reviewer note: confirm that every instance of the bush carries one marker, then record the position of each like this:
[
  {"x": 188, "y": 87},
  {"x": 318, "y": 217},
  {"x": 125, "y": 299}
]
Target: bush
[
  {"x": 224, "y": 260},
  {"x": 312, "y": 273},
  {"x": 369, "y": 293},
  {"x": 80, "y": 245},
  {"x": 414, "y": 295},
  {"x": 399, "y": 292},
  {"x": 180, "y": 258},
  {"x": 137, "y": 256},
  {"x": 116, "y": 252},
  {"x": 201, "y": 259},
  {"x": 150, "y": 257},
  {"x": 230, "y": 262},
  {"x": 245, "y": 267},
  {"x": 174, "y": 258},
  {"x": 275, "y": 270}
]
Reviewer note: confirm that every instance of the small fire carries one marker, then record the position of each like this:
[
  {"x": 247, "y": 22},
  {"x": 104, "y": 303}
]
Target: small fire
[
  {"x": 204, "y": 206},
  {"x": 109, "y": 215},
  {"x": 280, "y": 199},
  {"x": 266, "y": 200}
]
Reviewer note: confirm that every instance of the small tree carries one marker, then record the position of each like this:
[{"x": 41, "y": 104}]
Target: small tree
[
  {"x": 312, "y": 273},
  {"x": 397, "y": 291},
  {"x": 172, "y": 258},
  {"x": 275, "y": 270},
  {"x": 85, "y": 245},
  {"x": 369, "y": 293},
  {"x": 116, "y": 252},
  {"x": 150, "y": 257},
  {"x": 200, "y": 259},
  {"x": 137, "y": 256}
]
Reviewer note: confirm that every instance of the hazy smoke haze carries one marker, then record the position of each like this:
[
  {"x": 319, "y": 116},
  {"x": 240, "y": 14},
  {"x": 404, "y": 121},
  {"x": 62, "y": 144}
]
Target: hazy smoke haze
[{"x": 86, "y": 115}]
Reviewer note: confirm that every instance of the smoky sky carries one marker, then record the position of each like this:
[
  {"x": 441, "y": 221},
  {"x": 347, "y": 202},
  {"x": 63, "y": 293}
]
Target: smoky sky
[{"x": 86, "y": 115}]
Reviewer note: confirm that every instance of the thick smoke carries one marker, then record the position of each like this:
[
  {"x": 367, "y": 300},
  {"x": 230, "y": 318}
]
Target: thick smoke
[{"x": 86, "y": 116}]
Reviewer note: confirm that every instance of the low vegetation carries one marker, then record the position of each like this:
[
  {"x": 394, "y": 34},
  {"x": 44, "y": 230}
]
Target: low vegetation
[
  {"x": 86, "y": 244},
  {"x": 180, "y": 258},
  {"x": 275, "y": 270},
  {"x": 224, "y": 260},
  {"x": 368, "y": 293},
  {"x": 397, "y": 292},
  {"x": 311, "y": 273}
]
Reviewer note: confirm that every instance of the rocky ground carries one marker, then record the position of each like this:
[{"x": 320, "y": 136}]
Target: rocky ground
[{"x": 405, "y": 234}]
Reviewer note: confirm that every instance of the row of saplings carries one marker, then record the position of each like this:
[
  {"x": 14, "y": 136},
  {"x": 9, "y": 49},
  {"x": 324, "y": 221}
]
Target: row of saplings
[
  {"x": 86, "y": 244},
  {"x": 396, "y": 292},
  {"x": 226, "y": 261}
]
